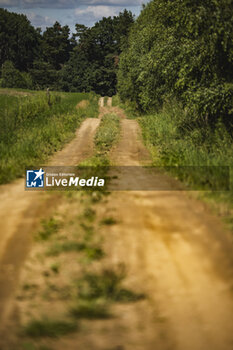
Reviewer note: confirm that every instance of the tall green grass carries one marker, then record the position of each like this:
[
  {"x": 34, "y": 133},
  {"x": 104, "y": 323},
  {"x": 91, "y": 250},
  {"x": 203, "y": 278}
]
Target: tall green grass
[
  {"x": 106, "y": 136},
  {"x": 173, "y": 143},
  {"x": 33, "y": 127},
  {"x": 176, "y": 144},
  {"x": 129, "y": 107},
  {"x": 107, "y": 132}
]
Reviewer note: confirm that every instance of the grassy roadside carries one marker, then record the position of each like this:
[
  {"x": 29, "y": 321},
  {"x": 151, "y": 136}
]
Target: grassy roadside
[
  {"x": 67, "y": 280},
  {"x": 33, "y": 127},
  {"x": 129, "y": 109},
  {"x": 173, "y": 145}
]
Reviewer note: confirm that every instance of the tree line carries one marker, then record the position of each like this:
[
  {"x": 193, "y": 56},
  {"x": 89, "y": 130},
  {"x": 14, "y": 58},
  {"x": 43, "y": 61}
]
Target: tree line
[
  {"x": 84, "y": 61},
  {"x": 176, "y": 50}
]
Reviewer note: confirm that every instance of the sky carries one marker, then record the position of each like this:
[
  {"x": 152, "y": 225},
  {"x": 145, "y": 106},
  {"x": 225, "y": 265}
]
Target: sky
[{"x": 43, "y": 13}]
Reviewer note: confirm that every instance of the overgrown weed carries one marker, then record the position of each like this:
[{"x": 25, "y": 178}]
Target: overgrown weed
[
  {"x": 49, "y": 328},
  {"x": 31, "y": 129},
  {"x": 183, "y": 146}
]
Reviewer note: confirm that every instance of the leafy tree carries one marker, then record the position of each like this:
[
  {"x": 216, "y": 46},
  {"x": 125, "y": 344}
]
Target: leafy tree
[
  {"x": 43, "y": 75},
  {"x": 181, "y": 49},
  {"x": 56, "y": 45},
  {"x": 94, "y": 61},
  {"x": 19, "y": 40},
  {"x": 11, "y": 77},
  {"x": 76, "y": 75}
]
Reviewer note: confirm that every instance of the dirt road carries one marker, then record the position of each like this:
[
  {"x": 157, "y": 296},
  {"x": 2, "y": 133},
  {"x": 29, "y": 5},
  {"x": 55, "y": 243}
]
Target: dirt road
[
  {"x": 181, "y": 257},
  {"x": 175, "y": 251},
  {"x": 21, "y": 211},
  {"x": 178, "y": 255}
]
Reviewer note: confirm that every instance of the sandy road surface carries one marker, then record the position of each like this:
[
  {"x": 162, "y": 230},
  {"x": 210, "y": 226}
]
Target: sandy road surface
[
  {"x": 179, "y": 255},
  {"x": 21, "y": 211}
]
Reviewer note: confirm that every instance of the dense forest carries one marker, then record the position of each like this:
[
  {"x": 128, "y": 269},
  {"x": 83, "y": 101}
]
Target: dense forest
[{"x": 84, "y": 61}]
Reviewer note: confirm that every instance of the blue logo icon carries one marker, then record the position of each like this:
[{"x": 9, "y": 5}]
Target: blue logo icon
[{"x": 35, "y": 178}]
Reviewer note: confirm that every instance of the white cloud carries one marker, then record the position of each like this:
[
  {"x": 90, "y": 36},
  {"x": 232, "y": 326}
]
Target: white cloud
[
  {"x": 40, "y": 21},
  {"x": 97, "y": 11},
  {"x": 113, "y": 2},
  {"x": 8, "y": 3}
]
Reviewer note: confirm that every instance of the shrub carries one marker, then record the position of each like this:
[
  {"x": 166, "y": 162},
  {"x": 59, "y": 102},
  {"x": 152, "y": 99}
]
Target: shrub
[{"x": 11, "y": 77}]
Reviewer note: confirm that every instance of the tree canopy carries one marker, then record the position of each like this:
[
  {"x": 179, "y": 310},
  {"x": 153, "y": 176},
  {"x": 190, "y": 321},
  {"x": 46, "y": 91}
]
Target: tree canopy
[
  {"x": 94, "y": 61},
  {"x": 181, "y": 49},
  {"x": 19, "y": 40}
]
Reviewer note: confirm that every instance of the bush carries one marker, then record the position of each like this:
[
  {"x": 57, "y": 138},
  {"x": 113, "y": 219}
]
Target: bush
[
  {"x": 43, "y": 75},
  {"x": 11, "y": 77},
  {"x": 210, "y": 103},
  {"x": 28, "y": 80},
  {"x": 181, "y": 49}
]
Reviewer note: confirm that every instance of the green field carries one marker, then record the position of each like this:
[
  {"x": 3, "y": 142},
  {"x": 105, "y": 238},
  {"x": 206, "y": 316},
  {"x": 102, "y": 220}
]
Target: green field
[{"x": 33, "y": 126}]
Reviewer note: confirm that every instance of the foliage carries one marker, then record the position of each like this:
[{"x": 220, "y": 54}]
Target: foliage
[
  {"x": 49, "y": 227},
  {"x": 94, "y": 61},
  {"x": 56, "y": 45},
  {"x": 109, "y": 221},
  {"x": 107, "y": 133},
  {"x": 182, "y": 49},
  {"x": 107, "y": 285},
  {"x": 49, "y": 328},
  {"x": 179, "y": 149},
  {"x": 82, "y": 62},
  {"x": 43, "y": 75},
  {"x": 31, "y": 128},
  {"x": 90, "y": 309},
  {"x": 197, "y": 147},
  {"x": 19, "y": 40},
  {"x": 11, "y": 77}
]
